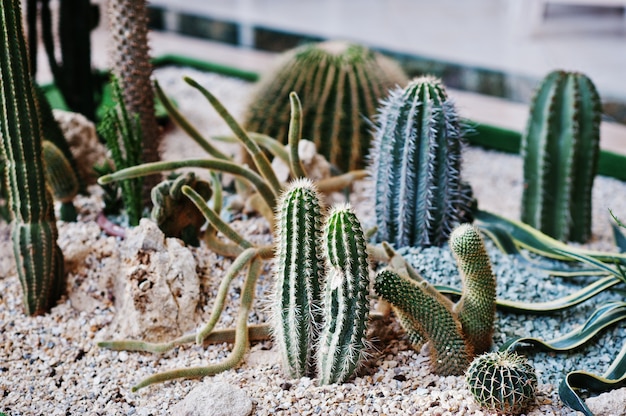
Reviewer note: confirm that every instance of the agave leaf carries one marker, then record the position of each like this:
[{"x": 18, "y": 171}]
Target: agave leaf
[
  {"x": 619, "y": 237},
  {"x": 617, "y": 271}
]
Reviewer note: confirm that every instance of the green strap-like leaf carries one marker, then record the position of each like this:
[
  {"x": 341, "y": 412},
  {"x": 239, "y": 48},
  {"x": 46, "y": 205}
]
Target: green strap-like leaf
[
  {"x": 619, "y": 237},
  {"x": 603, "y": 267}
]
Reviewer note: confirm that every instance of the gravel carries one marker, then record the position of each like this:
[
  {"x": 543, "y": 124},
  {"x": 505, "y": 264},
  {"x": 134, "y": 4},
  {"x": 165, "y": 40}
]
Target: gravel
[{"x": 51, "y": 364}]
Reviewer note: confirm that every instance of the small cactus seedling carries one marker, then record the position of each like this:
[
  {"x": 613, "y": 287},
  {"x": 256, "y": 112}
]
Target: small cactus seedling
[
  {"x": 174, "y": 213},
  {"x": 502, "y": 382},
  {"x": 560, "y": 148},
  {"x": 416, "y": 166},
  {"x": 342, "y": 342},
  {"x": 61, "y": 179},
  {"x": 298, "y": 274},
  {"x": 340, "y": 85}
]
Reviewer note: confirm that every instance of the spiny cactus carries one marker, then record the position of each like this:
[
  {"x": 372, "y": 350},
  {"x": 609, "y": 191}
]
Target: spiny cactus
[
  {"x": 174, "y": 213},
  {"x": 416, "y": 166},
  {"x": 61, "y": 180},
  {"x": 502, "y": 382},
  {"x": 560, "y": 148},
  {"x": 477, "y": 307},
  {"x": 339, "y": 84},
  {"x": 298, "y": 274},
  {"x": 33, "y": 229},
  {"x": 345, "y": 301}
]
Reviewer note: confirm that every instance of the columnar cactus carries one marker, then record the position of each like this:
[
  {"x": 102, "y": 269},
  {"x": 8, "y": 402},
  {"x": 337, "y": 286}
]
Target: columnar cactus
[
  {"x": 477, "y": 307},
  {"x": 502, "y": 382},
  {"x": 560, "y": 148},
  {"x": 339, "y": 85},
  {"x": 416, "y": 166},
  {"x": 298, "y": 274},
  {"x": 345, "y": 301},
  {"x": 33, "y": 229},
  {"x": 61, "y": 179}
]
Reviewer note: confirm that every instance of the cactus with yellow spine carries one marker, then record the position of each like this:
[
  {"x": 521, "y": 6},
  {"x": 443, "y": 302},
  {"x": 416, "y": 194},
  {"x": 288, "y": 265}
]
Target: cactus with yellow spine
[{"x": 33, "y": 228}]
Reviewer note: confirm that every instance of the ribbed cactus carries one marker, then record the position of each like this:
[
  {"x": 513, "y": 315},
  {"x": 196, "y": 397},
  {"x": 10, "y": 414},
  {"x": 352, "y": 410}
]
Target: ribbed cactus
[
  {"x": 298, "y": 274},
  {"x": 342, "y": 342},
  {"x": 33, "y": 230},
  {"x": 560, "y": 148},
  {"x": 339, "y": 84},
  {"x": 416, "y": 166},
  {"x": 477, "y": 307},
  {"x": 502, "y": 382},
  {"x": 174, "y": 213},
  {"x": 130, "y": 63},
  {"x": 61, "y": 179},
  {"x": 427, "y": 315}
]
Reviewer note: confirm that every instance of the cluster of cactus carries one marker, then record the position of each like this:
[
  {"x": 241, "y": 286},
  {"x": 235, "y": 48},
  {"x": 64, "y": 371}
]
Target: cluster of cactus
[
  {"x": 416, "y": 166},
  {"x": 174, "y": 213},
  {"x": 340, "y": 84},
  {"x": 502, "y": 382},
  {"x": 321, "y": 274},
  {"x": 33, "y": 228},
  {"x": 560, "y": 149},
  {"x": 455, "y": 332}
]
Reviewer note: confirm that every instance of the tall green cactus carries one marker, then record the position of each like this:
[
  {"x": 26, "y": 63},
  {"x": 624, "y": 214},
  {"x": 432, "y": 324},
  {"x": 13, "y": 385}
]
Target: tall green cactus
[
  {"x": 560, "y": 148},
  {"x": 342, "y": 342},
  {"x": 339, "y": 84},
  {"x": 33, "y": 231},
  {"x": 298, "y": 273},
  {"x": 416, "y": 166}
]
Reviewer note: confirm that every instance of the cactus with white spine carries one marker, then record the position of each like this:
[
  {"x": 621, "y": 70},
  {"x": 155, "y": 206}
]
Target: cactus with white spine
[
  {"x": 33, "y": 228},
  {"x": 298, "y": 274},
  {"x": 416, "y": 166},
  {"x": 560, "y": 148},
  {"x": 342, "y": 343}
]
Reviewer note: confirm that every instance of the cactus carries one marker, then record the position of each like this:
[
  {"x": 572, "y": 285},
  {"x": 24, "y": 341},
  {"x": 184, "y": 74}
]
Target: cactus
[
  {"x": 502, "y": 382},
  {"x": 345, "y": 301},
  {"x": 339, "y": 84},
  {"x": 174, "y": 213},
  {"x": 299, "y": 273},
  {"x": 416, "y": 166},
  {"x": 61, "y": 180},
  {"x": 477, "y": 307},
  {"x": 427, "y": 315},
  {"x": 560, "y": 148},
  {"x": 33, "y": 229}
]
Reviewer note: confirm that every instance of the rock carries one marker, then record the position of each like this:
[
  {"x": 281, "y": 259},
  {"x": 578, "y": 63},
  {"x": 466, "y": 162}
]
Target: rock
[
  {"x": 158, "y": 289},
  {"x": 80, "y": 134},
  {"x": 214, "y": 399},
  {"x": 612, "y": 403}
]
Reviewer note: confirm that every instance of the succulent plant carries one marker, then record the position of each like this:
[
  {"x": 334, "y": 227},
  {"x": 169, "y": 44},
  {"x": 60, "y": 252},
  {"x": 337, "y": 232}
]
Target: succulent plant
[
  {"x": 33, "y": 228},
  {"x": 502, "y": 382},
  {"x": 560, "y": 148},
  {"x": 416, "y": 166},
  {"x": 61, "y": 179},
  {"x": 342, "y": 342},
  {"x": 298, "y": 274},
  {"x": 339, "y": 84},
  {"x": 174, "y": 213}
]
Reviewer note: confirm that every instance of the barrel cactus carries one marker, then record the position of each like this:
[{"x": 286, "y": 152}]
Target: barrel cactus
[
  {"x": 339, "y": 84},
  {"x": 560, "y": 148},
  {"x": 416, "y": 166},
  {"x": 502, "y": 382}
]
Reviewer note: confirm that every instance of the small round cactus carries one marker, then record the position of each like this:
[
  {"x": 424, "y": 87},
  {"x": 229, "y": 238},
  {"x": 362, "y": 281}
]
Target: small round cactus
[{"x": 502, "y": 381}]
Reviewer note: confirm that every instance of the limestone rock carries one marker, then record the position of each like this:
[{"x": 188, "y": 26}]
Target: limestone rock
[
  {"x": 158, "y": 288},
  {"x": 612, "y": 403},
  {"x": 80, "y": 134},
  {"x": 214, "y": 399}
]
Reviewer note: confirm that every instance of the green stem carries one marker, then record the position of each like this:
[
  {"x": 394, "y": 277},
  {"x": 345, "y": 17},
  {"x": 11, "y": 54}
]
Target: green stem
[{"x": 295, "y": 133}]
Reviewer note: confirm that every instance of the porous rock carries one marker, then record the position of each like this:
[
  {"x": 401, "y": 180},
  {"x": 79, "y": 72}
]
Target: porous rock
[
  {"x": 158, "y": 288},
  {"x": 612, "y": 403},
  {"x": 214, "y": 399}
]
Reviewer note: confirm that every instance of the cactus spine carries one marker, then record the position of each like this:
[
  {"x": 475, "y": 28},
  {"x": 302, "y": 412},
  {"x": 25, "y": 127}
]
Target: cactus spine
[
  {"x": 299, "y": 273},
  {"x": 502, "y": 382},
  {"x": 416, "y": 166},
  {"x": 61, "y": 179},
  {"x": 477, "y": 307},
  {"x": 345, "y": 300},
  {"x": 560, "y": 148},
  {"x": 34, "y": 234},
  {"x": 339, "y": 85}
]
